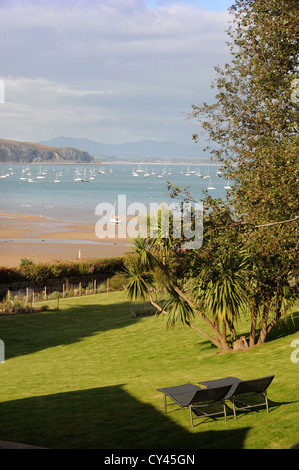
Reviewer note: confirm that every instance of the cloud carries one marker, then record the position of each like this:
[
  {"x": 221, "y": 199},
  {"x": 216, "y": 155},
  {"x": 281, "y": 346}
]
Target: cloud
[{"x": 119, "y": 62}]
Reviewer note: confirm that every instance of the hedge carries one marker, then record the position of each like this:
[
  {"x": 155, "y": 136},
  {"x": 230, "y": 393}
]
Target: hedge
[{"x": 57, "y": 269}]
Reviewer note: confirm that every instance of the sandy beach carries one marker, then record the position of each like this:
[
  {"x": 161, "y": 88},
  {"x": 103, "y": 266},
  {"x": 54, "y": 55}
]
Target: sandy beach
[{"x": 42, "y": 239}]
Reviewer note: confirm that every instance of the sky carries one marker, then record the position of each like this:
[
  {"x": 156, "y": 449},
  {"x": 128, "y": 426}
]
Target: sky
[{"x": 112, "y": 71}]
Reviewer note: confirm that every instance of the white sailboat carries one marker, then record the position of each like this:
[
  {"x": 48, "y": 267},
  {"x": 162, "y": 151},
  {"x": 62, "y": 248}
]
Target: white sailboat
[
  {"x": 92, "y": 174},
  {"x": 23, "y": 177},
  {"x": 211, "y": 187},
  {"x": 40, "y": 175},
  {"x": 57, "y": 180},
  {"x": 84, "y": 179},
  {"x": 77, "y": 175},
  {"x": 113, "y": 218},
  {"x": 227, "y": 186}
]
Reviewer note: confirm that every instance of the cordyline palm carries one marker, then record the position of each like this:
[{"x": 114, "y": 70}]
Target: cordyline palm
[
  {"x": 137, "y": 286},
  {"x": 179, "y": 308},
  {"x": 223, "y": 291},
  {"x": 179, "y": 312}
]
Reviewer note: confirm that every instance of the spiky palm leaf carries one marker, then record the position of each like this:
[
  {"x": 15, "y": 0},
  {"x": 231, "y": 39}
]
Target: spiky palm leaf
[
  {"x": 146, "y": 258},
  {"x": 138, "y": 284},
  {"x": 178, "y": 311},
  {"x": 223, "y": 292}
]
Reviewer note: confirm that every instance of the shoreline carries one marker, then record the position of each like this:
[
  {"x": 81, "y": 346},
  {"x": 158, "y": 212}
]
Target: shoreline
[
  {"x": 43, "y": 240},
  {"x": 116, "y": 162}
]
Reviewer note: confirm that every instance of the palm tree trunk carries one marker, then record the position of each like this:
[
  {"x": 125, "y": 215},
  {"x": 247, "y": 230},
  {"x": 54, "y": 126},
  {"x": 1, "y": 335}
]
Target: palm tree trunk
[
  {"x": 263, "y": 331},
  {"x": 195, "y": 328},
  {"x": 253, "y": 324}
]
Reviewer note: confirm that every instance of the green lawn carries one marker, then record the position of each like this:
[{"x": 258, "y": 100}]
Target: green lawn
[{"x": 86, "y": 377}]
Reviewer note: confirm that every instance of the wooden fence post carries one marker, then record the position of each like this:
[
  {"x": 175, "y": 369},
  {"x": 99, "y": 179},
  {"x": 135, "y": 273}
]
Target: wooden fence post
[
  {"x": 80, "y": 288},
  {"x": 95, "y": 286},
  {"x": 63, "y": 290},
  {"x": 45, "y": 293}
]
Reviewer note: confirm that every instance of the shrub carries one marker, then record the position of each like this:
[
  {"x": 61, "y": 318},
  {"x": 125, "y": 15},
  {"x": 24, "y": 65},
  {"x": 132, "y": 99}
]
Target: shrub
[
  {"x": 117, "y": 282},
  {"x": 45, "y": 308},
  {"x": 26, "y": 261}
]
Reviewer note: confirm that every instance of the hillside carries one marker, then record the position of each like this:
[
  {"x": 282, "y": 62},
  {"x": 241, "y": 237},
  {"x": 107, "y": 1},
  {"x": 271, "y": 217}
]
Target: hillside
[
  {"x": 147, "y": 149},
  {"x": 27, "y": 152}
]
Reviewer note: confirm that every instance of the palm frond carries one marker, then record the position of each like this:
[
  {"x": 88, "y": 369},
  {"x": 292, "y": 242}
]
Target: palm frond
[{"x": 178, "y": 311}]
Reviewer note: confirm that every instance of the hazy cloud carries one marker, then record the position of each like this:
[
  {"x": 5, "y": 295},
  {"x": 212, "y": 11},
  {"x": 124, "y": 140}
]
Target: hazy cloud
[{"x": 112, "y": 70}]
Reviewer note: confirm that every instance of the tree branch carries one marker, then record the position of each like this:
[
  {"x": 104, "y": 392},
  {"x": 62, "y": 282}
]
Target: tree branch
[
  {"x": 215, "y": 342},
  {"x": 277, "y": 223}
]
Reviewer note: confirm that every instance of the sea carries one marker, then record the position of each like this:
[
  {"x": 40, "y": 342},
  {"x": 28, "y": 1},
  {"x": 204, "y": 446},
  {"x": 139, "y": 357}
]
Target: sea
[{"x": 71, "y": 193}]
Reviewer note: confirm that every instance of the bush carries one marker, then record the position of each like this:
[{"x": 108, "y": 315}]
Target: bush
[
  {"x": 8, "y": 275},
  {"x": 56, "y": 269},
  {"x": 117, "y": 282},
  {"x": 45, "y": 308},
  {"x": 26, "y": 261}
]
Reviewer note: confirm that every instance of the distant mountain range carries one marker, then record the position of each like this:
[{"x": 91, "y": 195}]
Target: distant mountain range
[
  {"x": 12, "y": 151},
  {"x": 146, "y": 149}
]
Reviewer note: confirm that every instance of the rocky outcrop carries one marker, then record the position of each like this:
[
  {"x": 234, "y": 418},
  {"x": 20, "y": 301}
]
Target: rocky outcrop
[{"x": 26, "y": 152}]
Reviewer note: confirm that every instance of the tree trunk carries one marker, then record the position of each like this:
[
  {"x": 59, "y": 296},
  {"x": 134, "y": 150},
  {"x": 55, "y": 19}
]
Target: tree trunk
[
  {"x": 263, "y": 331},
  {"x": 253, "y": 324},
  {"x": 216, "y": 342},
  {"x": 219, "y": 341}
]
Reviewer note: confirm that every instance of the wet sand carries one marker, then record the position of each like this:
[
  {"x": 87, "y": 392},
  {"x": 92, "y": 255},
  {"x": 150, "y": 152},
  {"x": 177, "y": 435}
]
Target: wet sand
[{"x": 42, "y": 239}]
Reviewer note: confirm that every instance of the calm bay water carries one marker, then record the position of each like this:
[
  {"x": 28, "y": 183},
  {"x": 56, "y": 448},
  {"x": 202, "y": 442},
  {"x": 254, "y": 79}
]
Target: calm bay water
[{"x": 52, "y": 191}]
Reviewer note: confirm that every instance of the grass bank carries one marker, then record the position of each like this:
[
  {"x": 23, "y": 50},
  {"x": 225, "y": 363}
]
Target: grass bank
[{"x": 86, "y": 377}]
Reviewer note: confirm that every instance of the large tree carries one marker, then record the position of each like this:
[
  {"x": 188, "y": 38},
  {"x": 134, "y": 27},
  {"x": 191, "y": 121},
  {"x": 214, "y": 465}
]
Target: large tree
[
  {"x": 250, "y": 248},
  {"x": 253, "y": 125},
  {"x": 253, "y": 128}
]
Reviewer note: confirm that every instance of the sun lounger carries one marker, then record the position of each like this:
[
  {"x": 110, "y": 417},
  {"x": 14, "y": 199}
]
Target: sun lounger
[
  {"x": 241, "y": 392},
  {"x": 221, "y": 382},
  {"x": 197, "y": 399}
]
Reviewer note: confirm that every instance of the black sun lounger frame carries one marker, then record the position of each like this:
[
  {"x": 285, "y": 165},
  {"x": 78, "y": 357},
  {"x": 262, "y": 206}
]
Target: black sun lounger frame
[
  {"x": 245, "y": 389},
  {"x": 236, "y": 390},
  {"x": 196, "y": 399}
]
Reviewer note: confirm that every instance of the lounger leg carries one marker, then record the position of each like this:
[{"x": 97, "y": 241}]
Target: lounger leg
[
  {"x": 266, "y": 400},
  {"x": 191, "y": 418},
  {"x": 165, "y": 404},
  {"x": 224, "y": 410},
  {"x": 234, "y": 410}
]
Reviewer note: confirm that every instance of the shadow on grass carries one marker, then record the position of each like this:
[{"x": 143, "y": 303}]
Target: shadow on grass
[
  {"x": 285, "y": 327},
  {"x": 105, "y": 418},
  {"x": 273, "y": 405},
  {"x": 28, "y": 333}
]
